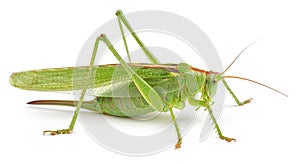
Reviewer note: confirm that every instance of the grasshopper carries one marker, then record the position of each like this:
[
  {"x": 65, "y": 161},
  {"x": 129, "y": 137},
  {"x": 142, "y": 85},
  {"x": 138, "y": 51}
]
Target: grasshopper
[{"x": 152, "y": 87}]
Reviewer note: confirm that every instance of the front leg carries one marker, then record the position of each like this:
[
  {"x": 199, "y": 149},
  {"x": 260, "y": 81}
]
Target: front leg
[{"x": 234, "y": 96}]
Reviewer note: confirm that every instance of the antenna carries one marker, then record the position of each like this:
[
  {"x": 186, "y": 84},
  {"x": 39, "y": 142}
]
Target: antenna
[
  {"x": 242, "y": 78},
  {"x": 239, "y": 55}
]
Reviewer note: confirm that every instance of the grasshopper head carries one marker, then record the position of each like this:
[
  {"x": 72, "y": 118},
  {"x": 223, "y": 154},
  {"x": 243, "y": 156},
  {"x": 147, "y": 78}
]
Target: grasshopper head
[
  {"x": 211, "y": 84},
  {"x": 199, "y": 80}
]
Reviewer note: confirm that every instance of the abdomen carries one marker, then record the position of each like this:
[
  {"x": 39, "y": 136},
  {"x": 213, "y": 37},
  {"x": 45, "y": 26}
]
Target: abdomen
[{"x": 123, "y": 107}]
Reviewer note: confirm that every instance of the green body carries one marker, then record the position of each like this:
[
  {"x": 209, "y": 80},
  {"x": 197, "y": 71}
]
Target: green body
[
  {"x": 115, "y": 93},
  {"x": 128, "y": 89}
]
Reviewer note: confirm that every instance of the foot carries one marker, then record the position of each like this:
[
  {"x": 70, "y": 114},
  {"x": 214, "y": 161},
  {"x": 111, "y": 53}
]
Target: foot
[
  {"x": 56, "y": 132},
  {"x": 178, "y": 145},
  {"x": 228, "y": 139},
  {"x": 245, "y": 102}
]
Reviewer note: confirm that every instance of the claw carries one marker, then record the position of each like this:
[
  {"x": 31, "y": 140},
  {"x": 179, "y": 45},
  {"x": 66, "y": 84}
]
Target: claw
[
  {"x": 51, "y": 132},
  {"x": 178, "y": 145},
  {"x": 228, "y": 139},
  {"x": 56, "y": 132},
  {"x": 246, "y": 102}
]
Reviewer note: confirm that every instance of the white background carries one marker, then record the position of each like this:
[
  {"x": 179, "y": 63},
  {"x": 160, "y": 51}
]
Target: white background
[{"x": 35, "y": 34}]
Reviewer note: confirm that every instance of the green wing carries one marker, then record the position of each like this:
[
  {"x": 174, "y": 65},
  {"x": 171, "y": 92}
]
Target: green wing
[{"x": 108, "y": 80}]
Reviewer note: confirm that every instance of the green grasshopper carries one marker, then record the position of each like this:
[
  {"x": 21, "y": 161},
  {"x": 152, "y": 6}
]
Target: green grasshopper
[{"x": 152, "y": 87}]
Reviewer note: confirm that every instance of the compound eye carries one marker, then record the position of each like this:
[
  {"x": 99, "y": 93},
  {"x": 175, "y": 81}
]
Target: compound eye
[{"x": 214, "y": 80}]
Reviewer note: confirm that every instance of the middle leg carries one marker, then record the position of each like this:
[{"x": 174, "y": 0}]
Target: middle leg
[
  {"x": 217, "y": 126},
  {"x": 179, "y": 138}
]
